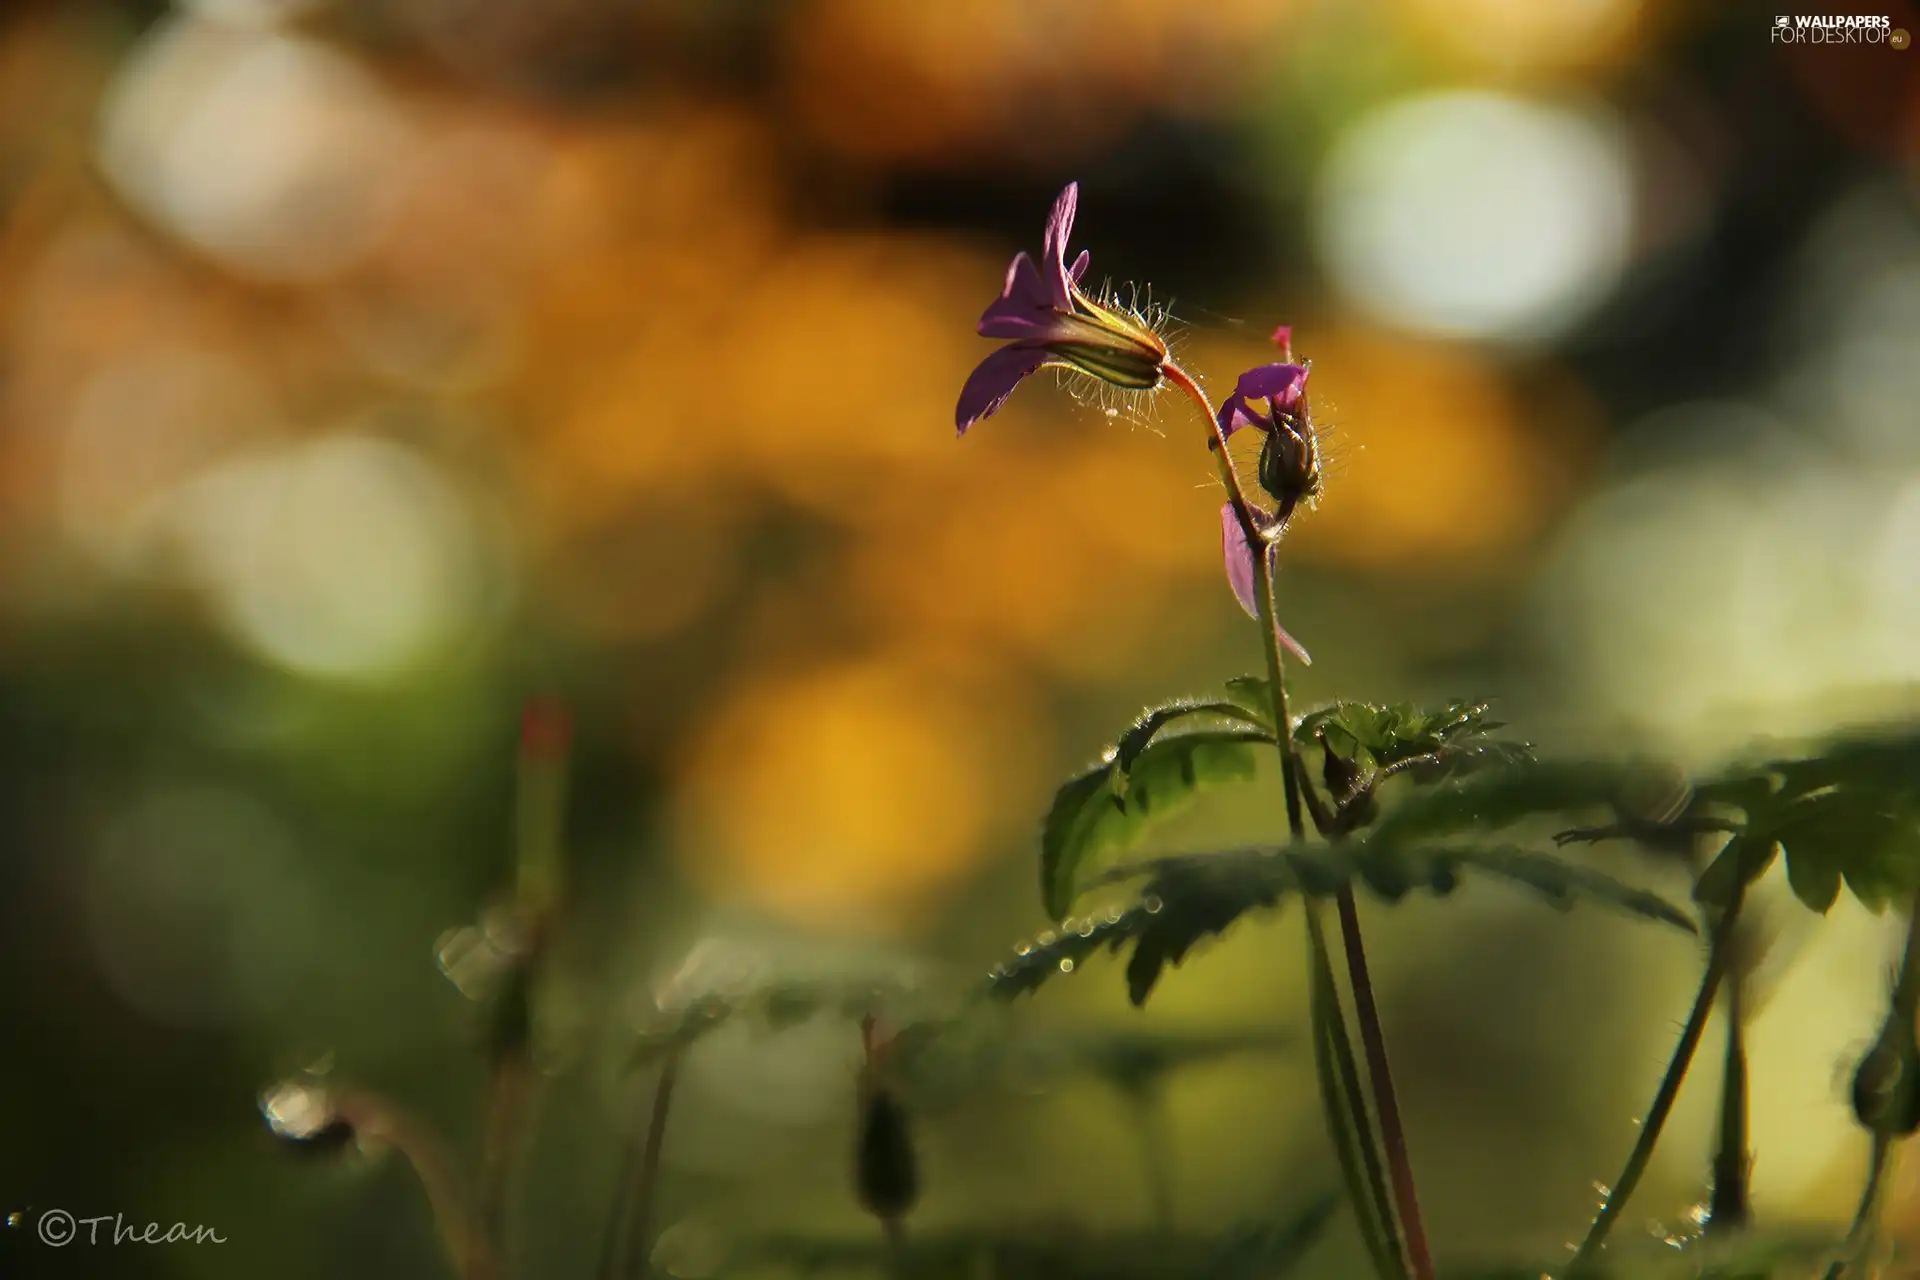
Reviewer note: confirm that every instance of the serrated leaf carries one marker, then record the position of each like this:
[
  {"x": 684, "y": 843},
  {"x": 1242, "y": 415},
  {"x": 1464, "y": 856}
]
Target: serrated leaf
[
  {"x": 1564, "y": 883},
  {"x": 1490, "y": 801},
  {"x": 1186, "y": 898},
  {"x": 1109, "y": 808},
  {"x": 1143, "y": 730},
  {"x": 1393, "y": 733}
]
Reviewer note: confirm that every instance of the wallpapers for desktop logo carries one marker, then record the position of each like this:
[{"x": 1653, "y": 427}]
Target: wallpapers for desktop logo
[{"x": 1838, "y": 28}]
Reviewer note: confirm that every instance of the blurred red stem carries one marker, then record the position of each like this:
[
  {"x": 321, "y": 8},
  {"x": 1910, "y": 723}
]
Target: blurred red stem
[{"x": 466, "y": 1245}]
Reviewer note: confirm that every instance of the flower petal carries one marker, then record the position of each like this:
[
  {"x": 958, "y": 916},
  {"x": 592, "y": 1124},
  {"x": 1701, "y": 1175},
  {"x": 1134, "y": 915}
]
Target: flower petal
[
  {"x": 1281, "y": 383},
  {"x": 1053, "y": 248},
  {"x": 1291, "y": 645},
  {"x": 1079, "y": 267},
  {"x": 1241, "y": 577},
  {"x": 992, "y": 381},
  {"x": 1239, "y": 557},
  {"x": 1024, "y": 304}
]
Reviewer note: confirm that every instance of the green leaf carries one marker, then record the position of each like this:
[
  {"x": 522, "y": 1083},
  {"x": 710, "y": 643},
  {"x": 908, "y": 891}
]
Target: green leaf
[
  {"x": 1814, "y": 875},
  {"x": 1109, "y": 808},
  {"x": 1153, "y": 719},
  {"x": 1564, "y": 883},
  {"x": 1865, "y": 836},
  {"x": 1390, "y": 734},
  {"x": 1186, "y": 898},
  {"x": 1249, "y": 693},
  {"x": 1498, "y": 799}
]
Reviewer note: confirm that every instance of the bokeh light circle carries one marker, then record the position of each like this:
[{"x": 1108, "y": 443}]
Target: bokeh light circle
[
  {"x": 1476, "y": 214},
  {"x": 349, "y": 557},
  {"x": 270, "y": 152}
]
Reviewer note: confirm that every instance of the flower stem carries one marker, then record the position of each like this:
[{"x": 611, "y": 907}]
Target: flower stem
[
  {"x": 1719, "y": 953},
  {"x": 628, "y": 1245},
  {"x": 1149, "y": 1117},
  {"x": 894, "y": 1230},
  {"x": 460, "y": 1234},
  {"x": 1730, "y": 1208},
  {"x": 1392, "y": 1136},
  {"x": 1889, "y": 1128},
  {"x": 508, "y": 1109},
  {"x": 1860, "y": 1234},
  {"x": 1346, "y": 1116}
]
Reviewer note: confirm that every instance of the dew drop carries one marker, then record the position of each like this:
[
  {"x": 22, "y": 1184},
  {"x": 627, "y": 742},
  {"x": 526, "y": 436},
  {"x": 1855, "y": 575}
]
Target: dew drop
[
  {"x": 1047, "y": 939},
  {"x": 1152, "y": 904},
  {"x": 1024, "y": 949},
  {"x": 1602, "y": 1190},
  {"x": 1066, "y": 964},
  {"x": 1086, "y": 928},
  {"x": 14, "y": 1219}
]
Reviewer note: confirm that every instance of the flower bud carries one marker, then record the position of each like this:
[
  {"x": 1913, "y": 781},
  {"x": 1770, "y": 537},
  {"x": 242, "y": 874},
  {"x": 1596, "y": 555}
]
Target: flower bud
[
  {"x": 886, "y": 1171},
  {"x": 1885, "y": 1099},
  {"x": 1290, "y": 461}
]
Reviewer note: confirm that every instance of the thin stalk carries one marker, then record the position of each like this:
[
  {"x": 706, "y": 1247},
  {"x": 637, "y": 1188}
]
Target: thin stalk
[
  {"x": 1358, "y": 1156},
  {"x": 895, "y": 1230},
  {"x": 627, "y": 1247},
  {"x": 1156, "y": 1151},
  {"x": 1392, "y": 1135},
  {"x": 1718, "y": 956},
  {"x": 510, "y": 1098},
  {"x": 1730, "y": 1208},
  {"x": 1860, "y": 1234},
  {"x": 540, "y": 801},
  {"x": 460, "y": 1233},
  {"x": 1890, "y": 1124}
]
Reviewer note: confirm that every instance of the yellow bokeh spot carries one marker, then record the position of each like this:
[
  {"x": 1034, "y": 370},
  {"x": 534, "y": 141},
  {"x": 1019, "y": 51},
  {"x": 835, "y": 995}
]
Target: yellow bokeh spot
[
  {"x": 845, "y": 794},
  {"x": 1526, "y": 35}
]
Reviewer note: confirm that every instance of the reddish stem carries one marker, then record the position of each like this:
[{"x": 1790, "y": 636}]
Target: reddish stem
[{"x": 1393, "y": 1135}]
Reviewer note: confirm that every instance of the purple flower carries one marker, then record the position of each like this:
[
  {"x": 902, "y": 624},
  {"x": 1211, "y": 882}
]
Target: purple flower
[
  {"x": 1050, "y": 321},
  {"x": 1271, "y": 399}
]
